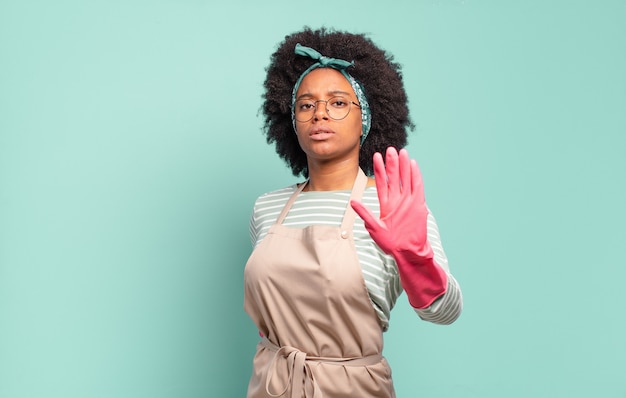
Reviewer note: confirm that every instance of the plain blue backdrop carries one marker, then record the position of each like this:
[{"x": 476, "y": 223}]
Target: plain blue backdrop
[{"x": 131, "y": 152}]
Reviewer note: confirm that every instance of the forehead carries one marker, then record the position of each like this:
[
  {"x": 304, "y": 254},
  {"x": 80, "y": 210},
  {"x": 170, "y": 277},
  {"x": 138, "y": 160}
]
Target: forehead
[{"x": 323, "y": 81}]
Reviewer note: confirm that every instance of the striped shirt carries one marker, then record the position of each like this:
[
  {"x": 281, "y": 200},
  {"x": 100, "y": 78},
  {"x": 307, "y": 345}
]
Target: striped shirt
[{"x": 379, "y": 269}]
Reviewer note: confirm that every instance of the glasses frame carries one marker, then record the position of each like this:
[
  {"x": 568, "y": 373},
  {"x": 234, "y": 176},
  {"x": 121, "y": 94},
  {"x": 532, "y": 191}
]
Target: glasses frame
[{"x": 350, "y": 102}]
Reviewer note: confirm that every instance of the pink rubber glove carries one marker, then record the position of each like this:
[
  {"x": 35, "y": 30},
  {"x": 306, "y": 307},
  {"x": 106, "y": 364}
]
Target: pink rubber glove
[{"x": 401, "y": 229}]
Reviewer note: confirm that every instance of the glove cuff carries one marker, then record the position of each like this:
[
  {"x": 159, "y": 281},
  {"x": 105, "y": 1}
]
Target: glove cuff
[{"x": 423, "y": 280}]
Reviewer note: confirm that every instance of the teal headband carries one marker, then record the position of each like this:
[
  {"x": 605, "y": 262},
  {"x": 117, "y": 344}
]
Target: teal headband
[{"x": 341, "y": 66}]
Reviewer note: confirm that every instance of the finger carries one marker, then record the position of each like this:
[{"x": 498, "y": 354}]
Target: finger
[
  {"x": 371, "y": 222},
  {"x": 405, "y": 171},
  {"x": 393, "y": 172},
  {"x": 380, "y": 175}
]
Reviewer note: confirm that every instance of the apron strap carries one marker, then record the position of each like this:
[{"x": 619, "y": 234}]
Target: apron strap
[
  {"x": 357, "y": 193},
  {"x": 287, "y": 207}
]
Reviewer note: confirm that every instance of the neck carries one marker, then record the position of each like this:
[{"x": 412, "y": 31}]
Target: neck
[{"x": 332, "y": 178}]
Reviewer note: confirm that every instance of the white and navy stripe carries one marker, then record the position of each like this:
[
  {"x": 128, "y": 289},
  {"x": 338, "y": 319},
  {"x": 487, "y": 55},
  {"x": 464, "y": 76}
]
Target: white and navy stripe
[{"x": 379, "y": 269}]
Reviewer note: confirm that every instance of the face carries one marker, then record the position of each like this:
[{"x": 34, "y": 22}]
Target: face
[{"x": 323, "y": 138}]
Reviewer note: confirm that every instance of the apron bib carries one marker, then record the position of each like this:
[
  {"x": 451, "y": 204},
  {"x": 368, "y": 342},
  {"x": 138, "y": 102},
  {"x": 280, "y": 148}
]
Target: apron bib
[{"x": 305, "y": 292}]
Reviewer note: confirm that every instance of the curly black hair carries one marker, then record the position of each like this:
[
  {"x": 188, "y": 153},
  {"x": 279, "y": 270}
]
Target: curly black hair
[{"x": 376, "y": 71}]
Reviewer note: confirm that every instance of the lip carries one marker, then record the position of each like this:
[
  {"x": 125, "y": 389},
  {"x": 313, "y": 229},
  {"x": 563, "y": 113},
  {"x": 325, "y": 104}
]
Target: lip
[{"x": 320, "y": 134}]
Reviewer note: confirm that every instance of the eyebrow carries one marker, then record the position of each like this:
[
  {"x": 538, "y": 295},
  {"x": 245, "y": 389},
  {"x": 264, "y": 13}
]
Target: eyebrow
[{"x": 330, "y": 93}]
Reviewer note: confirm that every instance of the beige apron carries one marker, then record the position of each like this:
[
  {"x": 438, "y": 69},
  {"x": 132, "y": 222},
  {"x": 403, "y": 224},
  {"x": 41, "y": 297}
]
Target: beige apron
[{"x": 304, "y": 290}]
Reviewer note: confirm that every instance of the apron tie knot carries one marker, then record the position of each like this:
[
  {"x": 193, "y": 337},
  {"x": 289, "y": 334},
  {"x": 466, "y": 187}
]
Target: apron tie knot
[{"x": 300, "y": 376}]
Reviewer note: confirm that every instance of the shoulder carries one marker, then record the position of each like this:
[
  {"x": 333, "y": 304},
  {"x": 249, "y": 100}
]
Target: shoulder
[{"x": 274, "y": 197}]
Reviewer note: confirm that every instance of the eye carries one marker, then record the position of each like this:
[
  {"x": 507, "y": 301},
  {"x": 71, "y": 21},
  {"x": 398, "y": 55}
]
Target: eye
[
  {"x": 338, "y": 102},
  {"x": 305, "y": 106}
]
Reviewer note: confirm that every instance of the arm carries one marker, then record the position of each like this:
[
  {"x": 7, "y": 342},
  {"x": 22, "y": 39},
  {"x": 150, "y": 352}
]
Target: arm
[
  {"x": 253, "y": 229},
  {"x": 446, "y": 308},
  {"x": 402, "y": 231}
]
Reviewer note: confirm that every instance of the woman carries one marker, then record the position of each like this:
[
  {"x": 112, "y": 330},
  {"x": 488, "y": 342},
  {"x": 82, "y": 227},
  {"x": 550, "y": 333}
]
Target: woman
[{"x": 332, "y": 255}]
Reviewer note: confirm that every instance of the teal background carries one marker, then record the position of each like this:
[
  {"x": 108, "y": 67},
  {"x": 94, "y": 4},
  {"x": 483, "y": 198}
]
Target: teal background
[{"x": 131, "y": 153}]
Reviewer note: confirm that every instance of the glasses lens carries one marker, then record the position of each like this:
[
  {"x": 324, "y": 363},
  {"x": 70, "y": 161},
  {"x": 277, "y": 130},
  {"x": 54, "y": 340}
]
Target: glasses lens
[
  {"x": 336, "y": 107},
  {"x": 304, "y": 110}
]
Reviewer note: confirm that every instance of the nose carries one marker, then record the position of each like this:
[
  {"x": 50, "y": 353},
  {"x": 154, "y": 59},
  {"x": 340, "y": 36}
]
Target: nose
[{"x": 320, "y": 110}]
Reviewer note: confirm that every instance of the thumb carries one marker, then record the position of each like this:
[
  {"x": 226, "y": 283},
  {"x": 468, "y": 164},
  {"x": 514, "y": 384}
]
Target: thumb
[{"x": 371, "y": 222}]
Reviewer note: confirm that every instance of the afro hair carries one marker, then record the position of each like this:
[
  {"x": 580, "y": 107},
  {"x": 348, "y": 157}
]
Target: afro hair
[{"x": 375, "y": 70}]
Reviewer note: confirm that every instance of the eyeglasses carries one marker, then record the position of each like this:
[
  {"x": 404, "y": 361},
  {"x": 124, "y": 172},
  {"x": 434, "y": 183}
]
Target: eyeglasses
[{"x": 336, "y": 107}]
